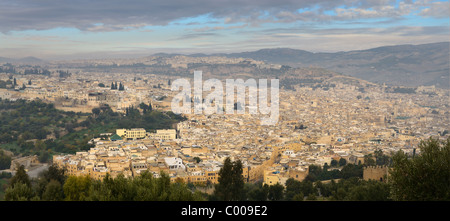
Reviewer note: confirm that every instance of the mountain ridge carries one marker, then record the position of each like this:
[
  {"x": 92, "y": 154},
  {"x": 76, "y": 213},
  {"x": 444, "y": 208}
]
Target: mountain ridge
[
  {"x": 28, "y": 59},
  {"x": 401, "y": 65}
]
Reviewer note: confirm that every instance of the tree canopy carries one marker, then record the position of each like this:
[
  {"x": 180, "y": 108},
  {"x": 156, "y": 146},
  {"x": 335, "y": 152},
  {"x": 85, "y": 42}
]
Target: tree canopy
[
  {"x": 425, "y": 176},
  {"x": 65, "y": 131},
  {"x": 54, "y": 185},
  {"x": 231, "y": 181}
]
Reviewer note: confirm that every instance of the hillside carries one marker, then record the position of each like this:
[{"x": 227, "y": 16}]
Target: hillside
[
  {"x": 407, "y": 65},
  {"x": 400, "y": 65},
  {"x": 25, "y": 60}
]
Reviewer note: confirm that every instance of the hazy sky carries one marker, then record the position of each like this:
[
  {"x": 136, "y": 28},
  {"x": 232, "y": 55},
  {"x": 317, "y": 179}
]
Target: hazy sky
[{"x": 54, "y": 29}]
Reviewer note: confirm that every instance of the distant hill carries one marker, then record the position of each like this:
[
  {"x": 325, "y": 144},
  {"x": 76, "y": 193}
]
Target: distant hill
[
  {"x": 277, "y": 56},
  {"x": 406, "y": 65},
  {"x": 30, "y": 59}
]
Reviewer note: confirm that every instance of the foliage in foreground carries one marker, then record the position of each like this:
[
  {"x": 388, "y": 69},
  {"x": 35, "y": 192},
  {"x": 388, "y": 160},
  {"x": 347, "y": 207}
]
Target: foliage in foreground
[
  {"x": 423, "y": 177},
  {"x": 53, "y": 185}
]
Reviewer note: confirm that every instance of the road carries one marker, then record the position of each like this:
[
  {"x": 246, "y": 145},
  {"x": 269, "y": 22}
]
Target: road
[{"x": 34, "y": 172}]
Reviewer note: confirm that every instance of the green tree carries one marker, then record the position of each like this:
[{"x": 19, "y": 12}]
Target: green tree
[
  {"x": 314, "y": 173},
  {"x": 179, "y": 192},
  {"x": 54, "y": 173},
  {"x": 257, "y": 191},
  {"x": 44, "y": 156},
  {"x": 334, "y": 163},
  {"x": 21, "y": 176},
  {"x": 223, "y": 188},
  {"x": 141, "y": 188},
  {"x": 369, "y": 161},
  {"x": 293, "y": 187},
  {"x": 53, "y": 191},
  {"x": 197, "y": 159},
  {"x": 145, "y": 108},
  {"x": 120, "y": 188},
  {"x": 96, "y": 111},
  {"x": 5, "y": 160},
  {"x": 340, "y": 194},
  {"x": 369, "y": 191},
  {"x": 276, "y": 192},
  {"x": 382, "y": 159},
  {"x": 238, "y": 180},
  {"x": 352, "y": 170},
  {"x": 342, "y": 162},
  {"x": 298, "y": 197},
  {"x": 76, "y": 188},
  {"x": 231, "y": 181},
  {"x": 424, "y": 177},
  {"x": 325, "y": 190},
  {"x": 146, "y": 187},
  {"x": 308, "y": 188},
  {"x": 18, "y": 192},
  {"x": 311, "y": 197}
]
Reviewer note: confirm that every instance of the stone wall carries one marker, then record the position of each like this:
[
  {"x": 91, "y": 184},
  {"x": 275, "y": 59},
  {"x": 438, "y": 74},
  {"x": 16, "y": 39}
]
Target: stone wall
[
  {"x": 28, "y": 162},
  {"x": 375, "y": 173}
]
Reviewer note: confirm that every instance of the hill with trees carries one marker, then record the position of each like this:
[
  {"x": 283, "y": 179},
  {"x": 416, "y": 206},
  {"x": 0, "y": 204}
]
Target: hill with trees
[{"x": 38, "y": 128}]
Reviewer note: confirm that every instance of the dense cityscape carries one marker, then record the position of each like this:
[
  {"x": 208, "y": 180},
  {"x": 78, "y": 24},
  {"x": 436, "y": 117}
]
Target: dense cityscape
[
  {"x": 224, "y": 109},
  {"x": 337, "y": 118}
]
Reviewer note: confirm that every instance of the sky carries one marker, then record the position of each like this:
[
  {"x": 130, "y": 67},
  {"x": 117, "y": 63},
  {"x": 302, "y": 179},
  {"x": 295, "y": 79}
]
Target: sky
[{"x": 68, "y": 29}]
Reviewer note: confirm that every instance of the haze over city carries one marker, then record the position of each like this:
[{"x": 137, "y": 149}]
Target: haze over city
[{"x": 105, "y": 29}]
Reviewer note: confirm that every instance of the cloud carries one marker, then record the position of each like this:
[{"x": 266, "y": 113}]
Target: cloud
[
  {"x": 111, "y": 27},
  {"x": 115, "y": 15},
  {"x": 216, "y": 28},
  {"x": 333, "y": 39},
  {"x": 436, "y": 9},
  {"x": 194, "y": 36}
]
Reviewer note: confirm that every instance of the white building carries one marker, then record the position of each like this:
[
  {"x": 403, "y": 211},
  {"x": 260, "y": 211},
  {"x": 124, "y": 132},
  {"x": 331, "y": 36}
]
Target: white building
[{"x": 174, "y": 163}]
